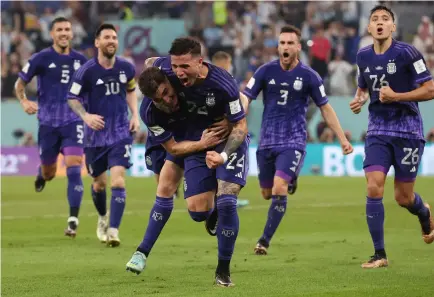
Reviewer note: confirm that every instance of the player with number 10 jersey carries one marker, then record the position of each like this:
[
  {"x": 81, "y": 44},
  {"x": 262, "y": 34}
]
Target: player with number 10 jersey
[{"x": 286, "y": 85}]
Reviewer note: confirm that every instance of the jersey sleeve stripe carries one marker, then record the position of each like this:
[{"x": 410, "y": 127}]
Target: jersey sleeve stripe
[
  {"x": 82, "y": 70},
  {"x": 23, "y": 77},
  {"x": 363, "y": 49},
  {"x": 312, "y": 71},
  {"x": 423, "y": 79}
]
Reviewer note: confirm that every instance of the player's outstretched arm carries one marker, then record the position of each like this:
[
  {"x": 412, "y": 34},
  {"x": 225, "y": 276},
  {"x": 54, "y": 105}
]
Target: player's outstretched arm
[
  {"x": 29, "y": 107},
  {"x": 149, "y": 62},
  {"x": 132, "y": 105},
  {"x": 209, "y": 139},
  {"x": 332, "y": 120},
  {"x": 424, "y": 93}
]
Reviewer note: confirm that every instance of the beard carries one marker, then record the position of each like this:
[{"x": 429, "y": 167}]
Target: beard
[{"x": 107, "y": 54}]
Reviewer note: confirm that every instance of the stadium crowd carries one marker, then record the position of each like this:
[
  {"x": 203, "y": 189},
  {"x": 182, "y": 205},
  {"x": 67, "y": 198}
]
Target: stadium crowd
[{"x": 332, "y": 33}]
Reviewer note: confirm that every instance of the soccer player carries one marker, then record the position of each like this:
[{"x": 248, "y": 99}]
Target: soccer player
[
  {"x": 224, "y": 60},
  {"x": 286, "y": 84},
  {"x": 395, "y": 76},
  {"x": 211, "y": 93},
  {"x": 105, "y": 85},
  {"x": 60, "y": 130}
]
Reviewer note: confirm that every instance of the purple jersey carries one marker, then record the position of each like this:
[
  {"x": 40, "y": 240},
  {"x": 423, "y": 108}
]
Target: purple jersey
[
  {"x": 402, "y": 68},
  {"x": 162, "y": 126},
  {"x": 54, "y": 72},
  {"x": 285, "y": 96},
  {"x": 216, "y": 97},
  {"x": 103, "y": 92}
]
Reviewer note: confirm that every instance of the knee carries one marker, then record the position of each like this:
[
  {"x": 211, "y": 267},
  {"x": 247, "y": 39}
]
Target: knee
[
  {"x": 118, "y": 182},
  {"x": 403, "y": 198},
  {"x": 266, "y": 194},
  {"x": 198, "y": 216},
  {"x": 99, "y": 185},
  {"x": 375, "y": 188},
  {"x": 166, "y": 188},
  {"x": 280, "y": 187},
  {"x": 72, "y": 161}
]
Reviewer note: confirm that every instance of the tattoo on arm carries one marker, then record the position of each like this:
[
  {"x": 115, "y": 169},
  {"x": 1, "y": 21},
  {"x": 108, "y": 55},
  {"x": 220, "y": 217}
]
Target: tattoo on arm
[
  {"x": 235, "y": 139},
  {"x": 20, "y": 89},
  {"x": 77, "y": 107}
]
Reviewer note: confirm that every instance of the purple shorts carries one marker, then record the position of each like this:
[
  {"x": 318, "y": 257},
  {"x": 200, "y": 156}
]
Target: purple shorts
[
  {"x": 198, "y": 178},
  {"x": 403, "y": 154},
  {"x": 67, "y": 140},
  {"x": 101, "y": 159},
  {"x": 283, "y": 162},
  {"x": 156, "y": 156}
]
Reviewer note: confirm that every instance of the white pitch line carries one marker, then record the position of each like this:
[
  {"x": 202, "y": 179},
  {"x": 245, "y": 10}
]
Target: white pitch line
[{"x": 146, "y": 212}]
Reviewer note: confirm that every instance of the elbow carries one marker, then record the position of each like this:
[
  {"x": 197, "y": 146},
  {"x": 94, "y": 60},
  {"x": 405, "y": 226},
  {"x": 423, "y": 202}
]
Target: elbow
[{"x": 430, "y": 91}]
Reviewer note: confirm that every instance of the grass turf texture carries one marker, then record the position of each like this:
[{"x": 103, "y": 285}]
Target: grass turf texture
[{"x": 317, "y": 250}]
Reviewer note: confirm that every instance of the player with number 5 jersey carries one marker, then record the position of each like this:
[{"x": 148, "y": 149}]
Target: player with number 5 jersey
[
  {"x": 395, "y": 76},
  {"x": 286, "y": 84},
  {"x": 105, "y": 85},
  {"x": 60, "y": 129}
]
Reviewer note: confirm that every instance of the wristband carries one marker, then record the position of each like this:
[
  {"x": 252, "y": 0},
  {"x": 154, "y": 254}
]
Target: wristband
[{"x": 224, "y": 156}]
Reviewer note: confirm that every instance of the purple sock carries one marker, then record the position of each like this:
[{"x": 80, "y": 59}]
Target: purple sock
[
  {"x": 228, "y": 225},
  {"x": 100, "y": 201},
  {"x": 275, "y": 214},
  {"x": 421, "y": 211},
  {"x": 117, "y": 206},
  {"x": 75, "y": 189},
  {"x": 160, "y": 214},
  {"x": 375, "y": 219}
]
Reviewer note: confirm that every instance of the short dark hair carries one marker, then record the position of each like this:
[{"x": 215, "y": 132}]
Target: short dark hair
[
  {"x": 382, "y": 7},
  {"x": 291, "y": 29},
  {"x": 149, "y": 81},
  {"x": 58, "y": 20},
  {"x": 104, "y": 26},
  {"x": 221, "y": 55},
  {"x": 185, "y": 45}
]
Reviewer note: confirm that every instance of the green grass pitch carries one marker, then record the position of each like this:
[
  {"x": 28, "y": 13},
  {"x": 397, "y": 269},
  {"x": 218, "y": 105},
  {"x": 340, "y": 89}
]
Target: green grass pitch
[{"x": 317, "y": 250}]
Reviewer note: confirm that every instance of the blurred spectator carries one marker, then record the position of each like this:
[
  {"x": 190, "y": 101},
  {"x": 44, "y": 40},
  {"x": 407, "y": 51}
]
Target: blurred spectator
[
  {"x": 128, "y": 55},
  {"x": 430, "y": 135},
  {"x": 28, "y": 140},
  {"x": 320, "y": 52},
  {"x": 340, "y": 70},
  {"x": 125, "y": 12},
  {"x": 424, "y": 39}
]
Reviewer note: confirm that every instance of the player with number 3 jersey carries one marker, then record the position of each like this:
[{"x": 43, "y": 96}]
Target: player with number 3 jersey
[
  {"x": 395, "y": 76},
  {"x": 60, "y": 129},
  {"x": 105, "y": 85},
  {"x": 286, "y": 84}
]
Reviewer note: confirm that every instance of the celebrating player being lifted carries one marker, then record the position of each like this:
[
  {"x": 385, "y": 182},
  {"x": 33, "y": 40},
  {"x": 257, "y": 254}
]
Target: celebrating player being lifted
[
  {"x": 286, "y": 84},
  {"x": 60, "y": 130},
  {"x": 105, "y": 85},
  {"x": 389, "y": 71},
  {"x": 211, "y": 93}
]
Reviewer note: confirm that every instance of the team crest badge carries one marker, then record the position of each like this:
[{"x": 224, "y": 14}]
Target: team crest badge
[
  {"x": 210, "y": 99},
  {"x": 298, "y": 84},
  {"x": 148, "y": 161},
  {"x": 391, "y": 68},
  {"x": 122, "y": 77},
  {"x": 76, "y": 64}
]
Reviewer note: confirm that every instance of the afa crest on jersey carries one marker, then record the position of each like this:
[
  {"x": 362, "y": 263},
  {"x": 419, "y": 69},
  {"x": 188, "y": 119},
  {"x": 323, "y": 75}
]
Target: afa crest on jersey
[
  {"x": 77, "y": 64},
  {"x": 149, "y": 161},
  {"x": 210, "y": 99},
  {"x": 391, "y": 68},
  {"x": 298, "y": 84},
  {"x": 123, "y": 77}
]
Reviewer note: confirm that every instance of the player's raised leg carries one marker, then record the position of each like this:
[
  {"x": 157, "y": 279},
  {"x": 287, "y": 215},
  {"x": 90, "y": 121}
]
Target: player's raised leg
[
  {"x": 378, "y": 159},
  {"x": 408, "y": 153},
  {"x": 49, "y": 149},
  {"x": 170, "y": 176},
  {"x": 73, "y": 160}
]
